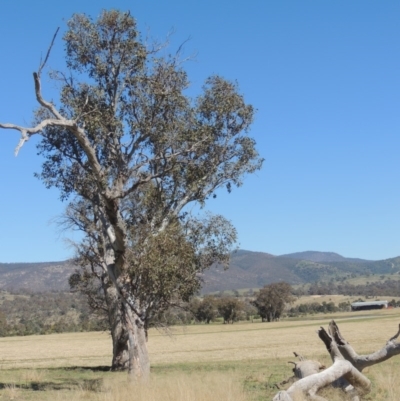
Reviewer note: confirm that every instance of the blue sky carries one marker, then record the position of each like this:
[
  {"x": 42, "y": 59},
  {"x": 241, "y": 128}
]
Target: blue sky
[{"x": 324, "y": 77}]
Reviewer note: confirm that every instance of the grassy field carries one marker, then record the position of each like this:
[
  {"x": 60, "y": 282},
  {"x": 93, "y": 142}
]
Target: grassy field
[
  {"x": 193, "y": 363},
  {"x": 336, "y": 299}
]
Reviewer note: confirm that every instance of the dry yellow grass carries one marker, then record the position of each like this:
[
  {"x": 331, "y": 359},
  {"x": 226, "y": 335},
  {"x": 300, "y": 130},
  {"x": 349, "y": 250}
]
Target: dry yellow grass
[
  {"x": 179, "y": 387},
  {"x": 203, "y": 343},
  {"x": 54, "y": 350},
  {"x": 176, "y": 387},
  {"x": 217, "y": 362}
]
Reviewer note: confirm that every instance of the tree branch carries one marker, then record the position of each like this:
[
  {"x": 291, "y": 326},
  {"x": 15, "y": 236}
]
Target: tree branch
[
  {"x": 391, "y": 349},
  {"x": 42, "y": 64},
  {"x": 26, "y": 133}
]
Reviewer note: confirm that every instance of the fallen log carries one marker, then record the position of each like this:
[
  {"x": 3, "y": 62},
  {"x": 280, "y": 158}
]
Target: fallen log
[
  {"x": 310, "y": 385},
  {"x": 341, "y": 368}
]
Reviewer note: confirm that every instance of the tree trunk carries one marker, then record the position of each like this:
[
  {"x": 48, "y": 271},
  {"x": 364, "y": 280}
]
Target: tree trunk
[
  {"x": 139, "y": 363},
  {"x": 120, "y": 359},
  {"x": 129, "y": 337},
  {"x": 131, "y": 324},
  {"x": 119, "y": 332}
]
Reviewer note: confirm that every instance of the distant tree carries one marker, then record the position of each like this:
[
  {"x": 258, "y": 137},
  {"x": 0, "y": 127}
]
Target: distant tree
[
  {"x": 230, "y": 309},
  {"x": 344, "y": 306},
  {"x": 249, "y": 309},
  {"x": 193, "y": 306},
  {"x": 270, "y": 301},
  {"x": 205, "y": 310}
]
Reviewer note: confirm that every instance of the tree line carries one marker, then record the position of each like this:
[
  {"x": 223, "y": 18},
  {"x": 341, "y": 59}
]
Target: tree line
[
  {"x": 318, "y": 307},
  {"x": 385, "y": 287},
  {"x": 23, "y": 313}
]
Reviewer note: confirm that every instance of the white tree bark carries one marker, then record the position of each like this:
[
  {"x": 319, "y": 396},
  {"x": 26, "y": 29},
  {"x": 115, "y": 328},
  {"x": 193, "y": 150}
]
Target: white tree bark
[
  {"x": 306, "y": 367},
  {"x": 341, "y": 368},
  {"x": 392, "y": 348},
  {"x": 347, "y": 365},
  {"x": 311, "y": 384}
]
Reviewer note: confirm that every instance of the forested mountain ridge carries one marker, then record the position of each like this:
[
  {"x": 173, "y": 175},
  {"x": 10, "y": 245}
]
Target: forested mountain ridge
[
  {"x": 36, "y": 277},
  {"x": 247, "y": 270},
  {"x": 255, "y": 269},
  {"x": 315, "y": 256}
]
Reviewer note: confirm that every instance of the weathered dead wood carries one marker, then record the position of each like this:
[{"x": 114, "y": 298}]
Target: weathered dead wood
[
  {"x": 302, "y": 368},
  {"x": 305, "y": 367},
  {"x": 392, "y": 348},
  {"x": 311, "y": 384},
  {"x": 347, "y": 366}
]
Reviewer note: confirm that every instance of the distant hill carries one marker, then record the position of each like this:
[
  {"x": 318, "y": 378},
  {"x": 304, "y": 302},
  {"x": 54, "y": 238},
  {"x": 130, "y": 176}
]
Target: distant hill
[
  {"x": 315, "y": 256},
  {"x": 247, "y": 270},
  {"x": 255, "y": 269},
  {"x": 36, "y": 277}
]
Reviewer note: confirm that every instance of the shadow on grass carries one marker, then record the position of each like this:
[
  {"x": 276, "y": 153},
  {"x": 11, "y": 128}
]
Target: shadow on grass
[
  {"x": 87, "y": 385},
  {"x": 92, "y": 368},
  {"x": 66, "y": 383}
]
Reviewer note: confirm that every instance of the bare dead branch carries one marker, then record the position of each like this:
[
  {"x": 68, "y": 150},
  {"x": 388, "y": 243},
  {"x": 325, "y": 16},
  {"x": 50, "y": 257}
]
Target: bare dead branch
[
  {"x": 395, "y": 336},
  {"x": 42, "y": 64},
  {"x": 391, "y": 349},
  {"x": 47, "y": 105},
  {"x": 26, "y": 133},
  {"x": 301, "y": 358}
]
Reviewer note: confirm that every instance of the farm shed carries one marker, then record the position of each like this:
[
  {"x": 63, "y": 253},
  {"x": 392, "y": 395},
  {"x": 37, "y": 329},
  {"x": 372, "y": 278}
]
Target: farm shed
[{"x": 369, "y": 305}]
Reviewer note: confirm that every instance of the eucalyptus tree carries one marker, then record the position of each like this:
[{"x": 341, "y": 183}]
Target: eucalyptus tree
[{"x": 124, "y": 120}]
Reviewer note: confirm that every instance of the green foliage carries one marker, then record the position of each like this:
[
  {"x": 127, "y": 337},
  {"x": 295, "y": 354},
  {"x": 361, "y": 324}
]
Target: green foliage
[
  {"x": 270, "y": 301},
  {"x": 163, "y": 269},
  {"x": 204, "y": 310},
  {"x": 230, "y": 309}
]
